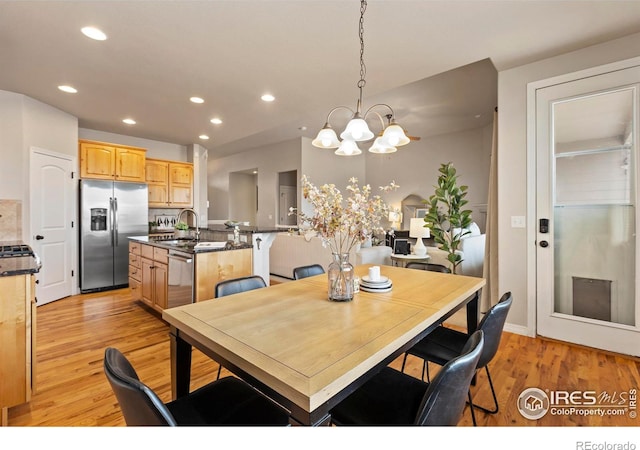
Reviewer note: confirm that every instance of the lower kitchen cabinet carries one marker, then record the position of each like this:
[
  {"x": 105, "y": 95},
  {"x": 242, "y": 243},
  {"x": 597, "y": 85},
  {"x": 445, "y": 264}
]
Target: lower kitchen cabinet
[
  {"x": 135, "y": 270},
  {"x": 154, "y": 279},
  {"x": 17, "y": 338},
  {"x": 149, "y": 272}
]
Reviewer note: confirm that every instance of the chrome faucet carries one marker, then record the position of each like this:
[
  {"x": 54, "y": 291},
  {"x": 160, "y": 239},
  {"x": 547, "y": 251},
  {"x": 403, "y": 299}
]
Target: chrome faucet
[{"x": 197, "y": 220}]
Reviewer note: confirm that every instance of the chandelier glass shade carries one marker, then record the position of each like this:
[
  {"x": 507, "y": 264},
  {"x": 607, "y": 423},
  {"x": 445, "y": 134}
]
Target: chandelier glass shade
[{"x": 357, "y": 130}]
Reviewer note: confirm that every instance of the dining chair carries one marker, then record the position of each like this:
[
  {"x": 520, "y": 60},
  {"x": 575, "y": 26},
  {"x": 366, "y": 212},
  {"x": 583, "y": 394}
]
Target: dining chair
[
  {"x": 428, "y": 266},
  {"x": 226, "y": 402},
  {"x": 242, "y": 284},
  {"x": 394, "y": 398},
  {"x": 444, "y": 344},
  {"x": 307, "y": 271},
  {"x": 234, "y": 286}
]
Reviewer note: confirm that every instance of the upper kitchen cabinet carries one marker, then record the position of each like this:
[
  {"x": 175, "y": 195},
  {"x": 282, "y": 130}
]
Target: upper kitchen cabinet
[
  {"x": 170, "y": 184},
  {"x": 103, "y": 161}
]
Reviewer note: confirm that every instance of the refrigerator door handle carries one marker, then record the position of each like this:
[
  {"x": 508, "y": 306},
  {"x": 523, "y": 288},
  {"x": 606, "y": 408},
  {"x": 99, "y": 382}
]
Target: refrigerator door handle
[
  {"x": 115, "y": 220},
  {"x": 111, "y": 220}
]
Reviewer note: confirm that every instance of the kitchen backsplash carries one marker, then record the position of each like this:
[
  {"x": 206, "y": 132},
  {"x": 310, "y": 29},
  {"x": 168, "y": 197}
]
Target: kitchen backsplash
[{"x": 10, "y": 220}]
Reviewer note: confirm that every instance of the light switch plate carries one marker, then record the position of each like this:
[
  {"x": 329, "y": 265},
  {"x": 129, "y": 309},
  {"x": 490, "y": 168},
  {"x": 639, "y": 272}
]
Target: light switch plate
[{"x": 518, "y": 222}]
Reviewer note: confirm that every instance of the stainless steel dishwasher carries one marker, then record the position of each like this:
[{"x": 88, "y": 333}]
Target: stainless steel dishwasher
[{"x": 181, "y": 277}]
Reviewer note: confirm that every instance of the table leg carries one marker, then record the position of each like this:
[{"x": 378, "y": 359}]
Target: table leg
[
  {"x": 472, "y": 321},
  {"x": 180, "y": 365},
  {"x": 472, "y": 314}
]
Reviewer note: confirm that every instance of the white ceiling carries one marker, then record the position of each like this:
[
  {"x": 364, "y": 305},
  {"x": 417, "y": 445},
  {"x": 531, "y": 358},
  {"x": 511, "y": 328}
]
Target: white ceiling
[{"x": 305, "y": 52}]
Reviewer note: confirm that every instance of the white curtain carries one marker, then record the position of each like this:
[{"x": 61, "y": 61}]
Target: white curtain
[{"x": 490, "y": 295}]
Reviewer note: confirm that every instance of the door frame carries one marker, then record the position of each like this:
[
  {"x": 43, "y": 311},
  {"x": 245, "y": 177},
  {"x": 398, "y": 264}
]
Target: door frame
[
  {"x": 73, "y": 200},
  {"x": 531, "y": 230}
]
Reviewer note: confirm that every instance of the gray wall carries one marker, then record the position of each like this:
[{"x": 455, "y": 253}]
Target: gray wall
[
  {"x": 269, "y": 161},
  {"x": 27, "y": 123}
]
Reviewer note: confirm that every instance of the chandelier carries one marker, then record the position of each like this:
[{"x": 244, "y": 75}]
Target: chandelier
[{"x": 357, "y": 129}]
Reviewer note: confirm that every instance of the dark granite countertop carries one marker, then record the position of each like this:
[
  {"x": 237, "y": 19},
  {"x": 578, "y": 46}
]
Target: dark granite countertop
[
  {"x": 247, "y": 229},
  {"x": 189, "y": 245},
  {"x": 18, "y": 265}
]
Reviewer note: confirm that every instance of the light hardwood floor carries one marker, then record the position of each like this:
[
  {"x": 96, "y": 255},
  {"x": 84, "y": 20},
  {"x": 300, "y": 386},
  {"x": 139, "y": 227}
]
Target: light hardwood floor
[{"x": 72, "y": 390}]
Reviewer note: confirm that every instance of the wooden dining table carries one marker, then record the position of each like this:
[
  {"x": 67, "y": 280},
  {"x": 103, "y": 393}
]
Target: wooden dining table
[{"x": 306, "y": 352}]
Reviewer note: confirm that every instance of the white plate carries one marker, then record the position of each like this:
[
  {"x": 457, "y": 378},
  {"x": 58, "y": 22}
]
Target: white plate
[
  {"x": 375, "y": 290},
  {"x": 382, "y": 279},
  {"x": 376, "y": 285}
]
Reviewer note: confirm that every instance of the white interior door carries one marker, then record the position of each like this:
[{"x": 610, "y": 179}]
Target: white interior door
[
  {"x": 288, "y": 199},
  {"x": 52, "y": 206},
  {"x": 587, "y": 211}
]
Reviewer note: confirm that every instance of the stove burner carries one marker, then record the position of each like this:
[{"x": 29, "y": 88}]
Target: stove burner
[{"x": 9, "y": 251}]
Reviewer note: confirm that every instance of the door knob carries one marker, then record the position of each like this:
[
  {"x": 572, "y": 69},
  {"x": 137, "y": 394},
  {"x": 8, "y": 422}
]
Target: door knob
[
  {"x": 39, "y": 238},
  {"x": 544, "y": 244}
]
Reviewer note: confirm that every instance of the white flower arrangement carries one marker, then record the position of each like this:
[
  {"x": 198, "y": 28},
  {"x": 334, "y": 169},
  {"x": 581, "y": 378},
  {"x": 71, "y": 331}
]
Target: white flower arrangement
[{"x": 342, "y": 225}]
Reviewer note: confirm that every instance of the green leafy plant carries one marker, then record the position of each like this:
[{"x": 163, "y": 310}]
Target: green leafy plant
[
  {"x": 181, "y": 226},
  {"x": 446, "y": 219}
]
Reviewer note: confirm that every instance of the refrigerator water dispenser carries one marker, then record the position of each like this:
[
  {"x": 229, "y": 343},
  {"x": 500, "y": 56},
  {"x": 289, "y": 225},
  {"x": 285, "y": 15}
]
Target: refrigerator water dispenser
[{"x": 98, "y": 219}]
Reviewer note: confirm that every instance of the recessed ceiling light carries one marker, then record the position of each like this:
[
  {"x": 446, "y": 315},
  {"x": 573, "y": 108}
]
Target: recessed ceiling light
[
  {"x": 268, "y": 98},
  {"x": 68, "y": 89},
  {"x": 203, "y": 137},
  {"x": 216, "y": 121},
  {"x": 196, "y": 100},
  {"x": 477, "y": 116},
  {"x": 129, "y": 121},
  {"x": 94, "y": 33}
]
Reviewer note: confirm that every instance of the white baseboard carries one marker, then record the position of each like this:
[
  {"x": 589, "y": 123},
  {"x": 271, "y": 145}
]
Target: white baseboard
[{"x": 519, "y": 329}]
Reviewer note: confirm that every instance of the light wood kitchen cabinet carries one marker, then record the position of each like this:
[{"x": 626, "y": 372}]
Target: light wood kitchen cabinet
[
  {"x": 154, "y": 277},
  {"x": 170, "y": 184},
  {"x": 17, "y": 335},
  {"x": 135, "y": 270},
  {"x": 213, "y": 267},
  {"x": 104, "y": 161}
]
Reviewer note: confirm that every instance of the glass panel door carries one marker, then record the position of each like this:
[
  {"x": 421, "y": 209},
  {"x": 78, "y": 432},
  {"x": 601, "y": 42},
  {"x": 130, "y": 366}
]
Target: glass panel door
[{"x": 586, "y": 176}]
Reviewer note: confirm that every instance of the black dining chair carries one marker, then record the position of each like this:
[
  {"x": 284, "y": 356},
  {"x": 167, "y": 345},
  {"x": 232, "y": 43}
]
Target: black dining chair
[
  {"x": 236, "y": 285},
  {"x": 394, "y": 398},
  {"x": 428, "y": 266},
  {"x": 226, "y": 402},
  {"x": 307, "y": 271},
  {"x": 444, "y": 344},
  {"x": 242, "y": 284}
]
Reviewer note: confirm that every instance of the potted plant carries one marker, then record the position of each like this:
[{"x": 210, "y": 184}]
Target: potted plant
[
  {"x": 181, "y": 229},
  {"x": 446, "y": 218}
]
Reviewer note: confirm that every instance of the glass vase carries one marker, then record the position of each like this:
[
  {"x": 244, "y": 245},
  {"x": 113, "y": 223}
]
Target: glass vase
[{"x": 340, "y": 273}]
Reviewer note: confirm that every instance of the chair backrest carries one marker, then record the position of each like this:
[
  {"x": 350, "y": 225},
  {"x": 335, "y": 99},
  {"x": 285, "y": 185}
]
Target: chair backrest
[
  {"x": 235, "y": 285},
  {"x": 307, "y": 271},
  {"x": 492, "y": 325},
  {"x": 428, "y": 266},
  {"x": 139, "y": 404},
  {"x": 444, "y": 401}
]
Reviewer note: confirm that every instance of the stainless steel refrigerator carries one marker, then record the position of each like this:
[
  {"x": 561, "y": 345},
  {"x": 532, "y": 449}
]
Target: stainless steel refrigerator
[{"x": 110, "y": 212}]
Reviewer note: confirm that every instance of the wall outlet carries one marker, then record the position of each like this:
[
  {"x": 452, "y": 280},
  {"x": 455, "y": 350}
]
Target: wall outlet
[{"x": 518, "y": 222}]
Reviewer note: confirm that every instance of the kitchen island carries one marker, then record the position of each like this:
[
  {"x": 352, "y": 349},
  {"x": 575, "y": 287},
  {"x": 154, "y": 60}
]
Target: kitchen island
[
  {"x": 260, "y": 238},
  {"x": 168, "y": 273}
]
